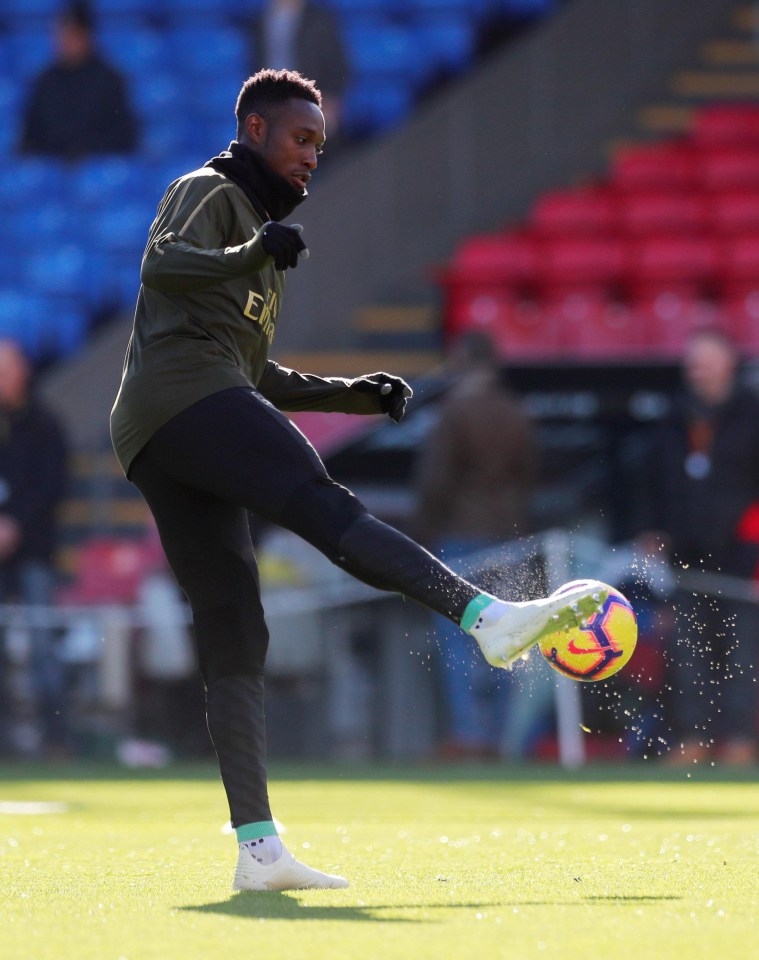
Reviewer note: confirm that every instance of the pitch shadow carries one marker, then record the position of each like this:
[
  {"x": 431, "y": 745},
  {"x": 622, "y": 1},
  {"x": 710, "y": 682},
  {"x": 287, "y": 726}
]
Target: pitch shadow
[{"x": 284, "y": 906}]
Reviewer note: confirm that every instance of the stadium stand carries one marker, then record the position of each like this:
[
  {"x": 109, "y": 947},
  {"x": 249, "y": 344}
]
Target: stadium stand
[
  {"x": 184, "y": 61},
  {"x": 667, "y": 241}
]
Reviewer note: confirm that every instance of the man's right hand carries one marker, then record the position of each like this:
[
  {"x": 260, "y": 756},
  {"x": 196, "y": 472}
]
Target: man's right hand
[{"x": 283, "y": 244}]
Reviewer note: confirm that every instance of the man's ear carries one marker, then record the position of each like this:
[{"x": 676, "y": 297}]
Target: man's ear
[{"x": 255, "y": 127}]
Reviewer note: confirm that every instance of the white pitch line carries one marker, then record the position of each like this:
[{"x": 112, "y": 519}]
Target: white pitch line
[{"x": 32, "y": 808}]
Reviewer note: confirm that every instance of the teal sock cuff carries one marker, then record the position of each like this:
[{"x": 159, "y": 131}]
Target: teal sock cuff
[
  {"x": 473, "y": 610},
  {"x": 254, "y": 831}
]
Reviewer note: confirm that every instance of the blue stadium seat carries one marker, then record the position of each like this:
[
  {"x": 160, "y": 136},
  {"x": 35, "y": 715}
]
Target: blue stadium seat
[
  {"x": 40, "y": 221},
  {"x": 371, "y": 107},
  {"x": 29, "y": 51},
  {"x": 26, "y": 182},
  {"x": 20, "y": 315},
  {"x": 124, "y": 228},
  {"x": 156, "y": 93},
  {"x": 449, "y": 39},
  {"x": 60, "y": 270},
  {"x": 58, "y": 328},
  {"x": 108, "y": 10},
  {"x": 136, "y": 52},
  {"x": 526, "y": 9},
  {"x": 25, "y": 9},
  {"x": 381, "y": 49},
  {"x": 203, "y": 51},
  {"x": 102, "y": 180},
  {"x": 166, "y": 136}
]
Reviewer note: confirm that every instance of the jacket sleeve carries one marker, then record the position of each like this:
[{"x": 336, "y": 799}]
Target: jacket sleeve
[
  {"x": 289, "y": 390},
  {"x": 187, "y": 248}
]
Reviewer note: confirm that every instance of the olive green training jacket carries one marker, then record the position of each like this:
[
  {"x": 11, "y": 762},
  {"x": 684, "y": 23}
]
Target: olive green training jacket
[{"x": 206, "y": 315}]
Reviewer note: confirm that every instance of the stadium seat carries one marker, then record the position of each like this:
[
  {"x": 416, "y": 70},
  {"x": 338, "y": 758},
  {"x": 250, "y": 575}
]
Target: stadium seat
[
  {"x": 109, "y": 179},
  {"x": 730, "y": 168},
  {"x": 375, "y": 108},
  {"x": 124, "y": 228},
  {"x": 518, "y": 328},
  {"x": 735, "y": 212},
  {"x": 156, "y": 94},
  {"x": 24, "y": 183},
  {"x": 593, "y": 328},
  {"x": 573, "y": 212},
  {"x": 447, "y": 39},
  {"x": 739, "y": 273},
  {"x": 570, "y": 264},
  {"x": 726, "y": 125},
  {"x": 665, "y": 166},
  {"x": 136, "y": 52},
  {"x": 670, "y": 316},
  {"x": 30, "y": 49},
  {"x": 20, "y": 10},
  {"x": 688, "y": 265},
  {"x": 663, "y": 212},
  {"x": 201, "y": 50},
  {"x": 742, "y": 319},
  {"x": 20, "y": 312},
  {"x": 501, "y": 257},
  {"x": 379, "y": 49}
]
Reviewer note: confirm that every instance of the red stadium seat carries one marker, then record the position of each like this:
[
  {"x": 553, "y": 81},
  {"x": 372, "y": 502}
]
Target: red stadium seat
[
  {"x": 591, "y": 328},
  {"x": 669, "y": 318},
  {"x": 518, "y": 328},
  {"x": 729, "y": 168},
  {"x": 507, "y": 258},
  {"x": 739, "y": 276},
  {"x": 726, "y": 125},
  {"x": 736, "y": 212},
  {"x": 662, "y": 212},
  {"x": 592, "y": 264},
  {"x": 572, "y": 212},
  {"x": 664, "y": 166},
  {"x": 688, "y": 265},
  {"x": 742, "y": 320}
]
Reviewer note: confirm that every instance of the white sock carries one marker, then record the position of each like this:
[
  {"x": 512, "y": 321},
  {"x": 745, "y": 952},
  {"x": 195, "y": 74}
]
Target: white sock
[{"x": 265, "y": 849}]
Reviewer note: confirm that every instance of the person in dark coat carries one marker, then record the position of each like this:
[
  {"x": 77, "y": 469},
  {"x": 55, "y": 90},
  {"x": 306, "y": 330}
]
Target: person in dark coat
[
  {"x": 468, "y": 502},
  {"x": 32, "y": 483},
  {"x": 702, "y": 489},
  {"x": 78, "y": 106},
  {"x": 304, "y": 36}
]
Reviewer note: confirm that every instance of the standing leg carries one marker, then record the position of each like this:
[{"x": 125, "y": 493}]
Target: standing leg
[{"x": 207, "y": 543}]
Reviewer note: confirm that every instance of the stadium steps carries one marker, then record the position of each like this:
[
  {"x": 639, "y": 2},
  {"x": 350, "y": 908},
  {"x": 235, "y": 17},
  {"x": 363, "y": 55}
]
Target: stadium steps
[
  {"x": 101, "y": 503},
  {"x": 353, "y": 363},
  {"x": 725, "y": 68}
]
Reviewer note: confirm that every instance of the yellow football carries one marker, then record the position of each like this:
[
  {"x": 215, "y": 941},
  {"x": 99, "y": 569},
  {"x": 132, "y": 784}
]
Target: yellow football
[{"x": 600, "y": 648}]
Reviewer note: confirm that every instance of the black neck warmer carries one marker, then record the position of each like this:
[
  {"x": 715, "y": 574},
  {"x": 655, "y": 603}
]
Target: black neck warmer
[{"x": 273, "y": 197}]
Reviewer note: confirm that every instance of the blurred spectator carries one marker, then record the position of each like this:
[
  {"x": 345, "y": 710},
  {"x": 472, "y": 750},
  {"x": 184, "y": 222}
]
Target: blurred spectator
[
  {"x": 303, "y": 36},
  {"x": 78, "y": 106},
  {"x": 702, "y": 486},
  {"x": 474, "y": 479},
  {"x": 32, "y": 481}
]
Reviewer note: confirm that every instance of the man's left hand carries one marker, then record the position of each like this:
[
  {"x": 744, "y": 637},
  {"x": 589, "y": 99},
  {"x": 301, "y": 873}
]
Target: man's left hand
[{"x": 392, "y": 392}]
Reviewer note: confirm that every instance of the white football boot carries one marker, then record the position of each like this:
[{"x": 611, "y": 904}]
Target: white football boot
[
  {"x": 285, "y": 873},
  {"x": 506, "y": 631}
]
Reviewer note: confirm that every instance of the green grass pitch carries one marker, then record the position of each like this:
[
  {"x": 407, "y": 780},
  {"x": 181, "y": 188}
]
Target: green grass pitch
[{"x": 629, "y": 861}]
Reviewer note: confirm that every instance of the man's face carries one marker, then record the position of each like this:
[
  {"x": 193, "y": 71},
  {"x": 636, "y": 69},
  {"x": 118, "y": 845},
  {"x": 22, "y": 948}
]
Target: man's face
[
  {"x": 709, "y": 367},
  {"x": 14, "y": 375},
  {"x": 290, "y": 141}
]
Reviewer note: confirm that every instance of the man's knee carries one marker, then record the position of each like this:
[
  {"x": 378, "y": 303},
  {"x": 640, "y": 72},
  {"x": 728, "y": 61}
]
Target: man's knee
[{"x": 320, "y": 511}]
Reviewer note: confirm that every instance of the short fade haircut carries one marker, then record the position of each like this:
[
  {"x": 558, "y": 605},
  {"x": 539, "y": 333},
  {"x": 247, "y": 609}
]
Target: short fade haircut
[{"x": 268, "y": 90}]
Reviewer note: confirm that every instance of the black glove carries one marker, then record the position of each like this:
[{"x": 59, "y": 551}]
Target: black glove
[
  {"x": 392, "y": 392},
  {"x": 284, "y": 244}
]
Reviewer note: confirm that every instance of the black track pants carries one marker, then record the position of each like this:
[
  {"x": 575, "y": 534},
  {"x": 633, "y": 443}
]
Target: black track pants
[{"x": 200, "y": 474}]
